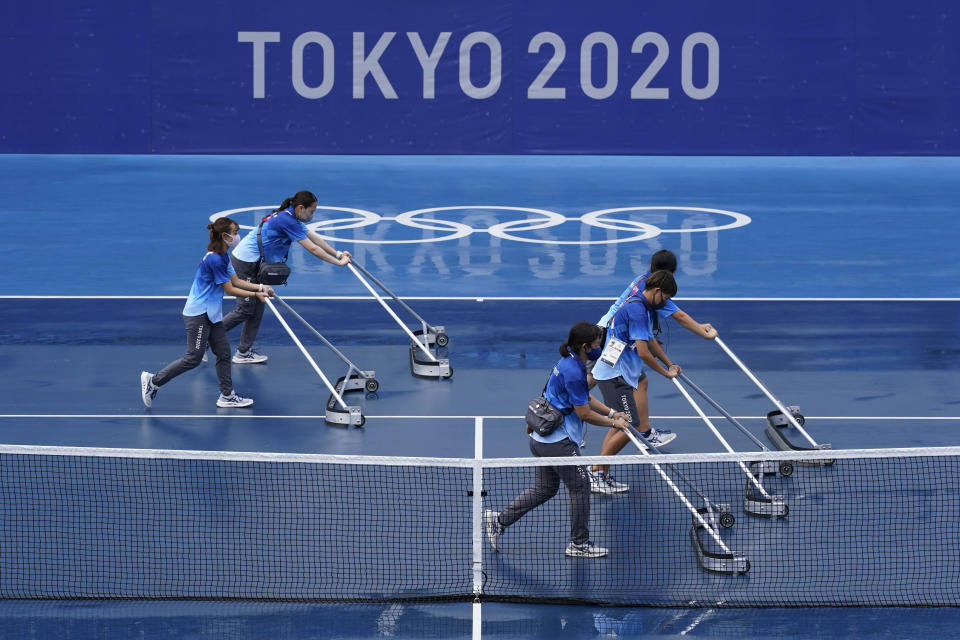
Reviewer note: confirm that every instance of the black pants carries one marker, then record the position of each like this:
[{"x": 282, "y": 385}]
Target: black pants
[
  {"x": 249, "y": 311},
  {"x": 548, "y": 483},
  {"x": 200, "y": 333}
]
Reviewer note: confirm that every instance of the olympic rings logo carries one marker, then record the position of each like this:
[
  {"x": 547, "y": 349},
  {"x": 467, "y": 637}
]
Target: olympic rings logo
[{"x": 636, "y": 229}]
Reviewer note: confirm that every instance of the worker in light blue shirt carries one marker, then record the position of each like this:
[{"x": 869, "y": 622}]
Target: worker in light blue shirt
[
  {"x": 203, "y": 317},
  {"x": 620, "y": 371},
  {"x": 567, "y": 391},
  {"x": 278, "y": 231}
]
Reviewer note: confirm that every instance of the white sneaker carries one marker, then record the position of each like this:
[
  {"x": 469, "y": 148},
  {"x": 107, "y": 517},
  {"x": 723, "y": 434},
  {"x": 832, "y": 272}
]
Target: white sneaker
[
  {"x": 618, "y": 487},
  {"x": 233, "y": 400},
  {"x": 585, "y": 550},
  {"x": 248, "y": 357},
  {"x": 494, "y": 528},
  {"x": 598, "y": 483},
  {"x": 660, "y": 437},
  {"x": 148, "y": 390}
]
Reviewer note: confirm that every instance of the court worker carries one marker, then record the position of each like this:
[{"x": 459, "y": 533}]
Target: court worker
[
  {"x": 631, "y": 348},
  {"x": 567, "y": 391},
  {"x": 284, "y": 226},
  {"x": 662, "y": 260},
  {"x": 203, "y": 317}
]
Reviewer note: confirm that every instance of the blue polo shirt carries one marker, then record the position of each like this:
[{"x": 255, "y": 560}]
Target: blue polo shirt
[
  {"x": 634, "y": 290},
  {"x": 279, "y": 232},
  {"x": 632, "y": 322},
  {"x": 567, "y": 387},
  {"x": 206, "y": 294}
]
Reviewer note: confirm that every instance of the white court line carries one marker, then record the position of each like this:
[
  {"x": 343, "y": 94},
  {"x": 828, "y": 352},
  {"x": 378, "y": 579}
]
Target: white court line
[
  {"x": 492, "y": 298},
  {"x": 414, "y": 417}
]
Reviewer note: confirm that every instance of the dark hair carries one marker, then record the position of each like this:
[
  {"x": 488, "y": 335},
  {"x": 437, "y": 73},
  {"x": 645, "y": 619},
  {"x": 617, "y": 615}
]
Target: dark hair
[
  {"x": 300, "y": 199},
  {"x": 662, "y": 280},
  {"x": 580, "y": 334},
  {"x": 219, "y": 227},
  {"x": 663, "y": 260}
]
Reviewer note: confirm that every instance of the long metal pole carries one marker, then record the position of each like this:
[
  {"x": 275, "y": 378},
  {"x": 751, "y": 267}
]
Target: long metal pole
[
  {"x": 392, "y": 314},
  {"x": 306, "y": 354},
  {"x": 390, "y": 293},
  {"x": 315, "y": 332},
  {"x": 680, "y": 494},
  {"x": 779, "y": 405},
  {"x": 723, "y": 411}
]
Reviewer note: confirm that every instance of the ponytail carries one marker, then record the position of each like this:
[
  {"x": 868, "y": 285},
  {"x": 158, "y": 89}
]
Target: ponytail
[{"x": 300, "y": 199}]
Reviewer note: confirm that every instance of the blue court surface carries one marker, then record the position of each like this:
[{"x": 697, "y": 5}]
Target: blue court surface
[{"x": 832, "y": 278}]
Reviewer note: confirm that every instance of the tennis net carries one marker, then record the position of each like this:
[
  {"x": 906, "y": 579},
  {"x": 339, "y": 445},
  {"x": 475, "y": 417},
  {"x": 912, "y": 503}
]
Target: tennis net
[{"x": 867, "y": 527}]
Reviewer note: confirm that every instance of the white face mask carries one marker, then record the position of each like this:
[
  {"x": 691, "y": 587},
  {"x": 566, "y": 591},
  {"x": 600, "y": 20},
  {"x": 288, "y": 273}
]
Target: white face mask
[{"x": 233, "y": 241}]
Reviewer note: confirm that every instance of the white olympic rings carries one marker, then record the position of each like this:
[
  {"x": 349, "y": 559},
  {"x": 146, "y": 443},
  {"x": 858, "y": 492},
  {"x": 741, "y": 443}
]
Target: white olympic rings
[{"x": 636, "y": 230}]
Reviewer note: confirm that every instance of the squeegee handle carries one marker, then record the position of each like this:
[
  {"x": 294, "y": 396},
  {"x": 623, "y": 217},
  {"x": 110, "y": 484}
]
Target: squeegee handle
[
  {"x": 680, "y": 495},
  {"x": 723, "y": 412},
  {"x": 315, "y": 332},
  {"x": 306, "y": 354},
  {"x": 386, "y": 307},
  {"x": 380, "y": 284},
  {"x": 787, "y": 414},
  {"x": 716, "y": 432}
]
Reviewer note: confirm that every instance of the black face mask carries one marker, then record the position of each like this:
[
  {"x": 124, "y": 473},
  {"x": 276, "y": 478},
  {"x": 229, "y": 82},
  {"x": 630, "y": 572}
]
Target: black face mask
[{"x": 661, "y": 305}]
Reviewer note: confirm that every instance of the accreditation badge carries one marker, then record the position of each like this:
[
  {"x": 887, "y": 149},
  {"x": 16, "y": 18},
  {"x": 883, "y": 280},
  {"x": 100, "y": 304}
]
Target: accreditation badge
[{"x": 611, "y": 352}]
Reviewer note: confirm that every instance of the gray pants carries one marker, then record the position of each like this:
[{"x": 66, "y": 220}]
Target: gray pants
[
  {"x": 617, "y": 393},
  {"x": 200, "y": 333},
  {"x": 249, "y": 311},
  {"x": 548, "y": 483}
]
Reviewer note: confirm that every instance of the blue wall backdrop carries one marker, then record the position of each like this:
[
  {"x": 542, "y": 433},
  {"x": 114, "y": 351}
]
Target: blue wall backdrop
[{"x": 499, "y": 76}]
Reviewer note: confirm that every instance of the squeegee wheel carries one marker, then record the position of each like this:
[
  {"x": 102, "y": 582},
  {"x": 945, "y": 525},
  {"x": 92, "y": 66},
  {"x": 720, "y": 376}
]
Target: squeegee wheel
[
  {"x": 746, "y": 567},
  {"x": 727, "y": 520},
  {"x": 371, "y": 386},
  {"x": 363, "y": 421},
  {"x": 786, "y": 511},
  {"x": 442, "y": 340},
  {"x": 799, "y": 418},
  {"x": 786, "y": 469}
]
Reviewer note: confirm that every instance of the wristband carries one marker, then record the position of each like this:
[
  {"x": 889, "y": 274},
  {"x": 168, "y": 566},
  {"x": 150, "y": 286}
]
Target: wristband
[
  {"x": 610, "y": 415},
  {"x": 339, "y": 254},
  {"x": 261, "y": 287}
]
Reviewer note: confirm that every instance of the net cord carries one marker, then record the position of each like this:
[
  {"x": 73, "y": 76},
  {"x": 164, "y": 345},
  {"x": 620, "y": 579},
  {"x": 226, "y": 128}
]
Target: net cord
[
  {"x": 307, "y": 355},
  {"x": 787, "y": 414},
  {"x": 486, "y": 463}
]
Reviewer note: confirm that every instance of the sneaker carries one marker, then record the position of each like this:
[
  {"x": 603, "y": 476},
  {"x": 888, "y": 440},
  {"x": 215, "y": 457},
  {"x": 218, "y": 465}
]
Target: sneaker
[
  {"x": 660, "y": 437},
  {"x": 598, "y": 482},
  {"x": 585, "y": 550},
  {"x": 494, "y": 528},
  {"x": 248, "y": 357},
  {"x": 233, "y": 400},
  {"x": 618, "y": 487},
  {"x": 148, "y": 390}
]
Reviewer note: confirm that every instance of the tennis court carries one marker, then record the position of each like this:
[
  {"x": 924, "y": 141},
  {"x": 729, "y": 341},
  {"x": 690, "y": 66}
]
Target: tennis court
[{"x": 830, "y": 277}]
